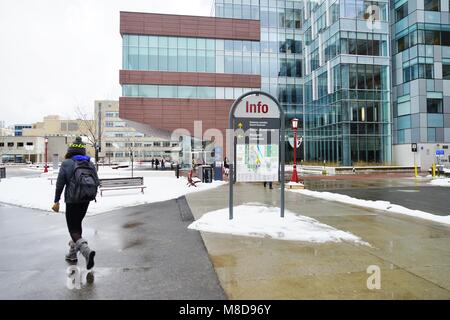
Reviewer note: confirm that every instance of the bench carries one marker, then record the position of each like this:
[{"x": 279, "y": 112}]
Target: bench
[
  {"x": 191, "y": 181},
  {"x": 121, "y": 184}
]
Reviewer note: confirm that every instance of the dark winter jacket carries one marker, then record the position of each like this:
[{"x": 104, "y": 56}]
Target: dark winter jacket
[{"x": 65, "y": 174}]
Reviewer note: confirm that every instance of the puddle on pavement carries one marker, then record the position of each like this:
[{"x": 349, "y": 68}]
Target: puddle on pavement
[
  {"x": 132, "y": 243},
  {"x": 131, "y": 225},
  {"x": 223, "y": 261}
]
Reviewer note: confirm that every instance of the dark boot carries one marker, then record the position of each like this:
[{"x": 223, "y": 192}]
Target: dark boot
[{"x": 88, "y": 254}]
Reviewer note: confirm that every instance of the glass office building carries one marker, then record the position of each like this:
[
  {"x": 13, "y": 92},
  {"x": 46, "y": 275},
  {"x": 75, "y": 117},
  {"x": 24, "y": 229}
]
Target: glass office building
[
  {"x": 365, "y": 78},
  {"x": 421, "y": 80},
  {"x": 328, "y": 63}
]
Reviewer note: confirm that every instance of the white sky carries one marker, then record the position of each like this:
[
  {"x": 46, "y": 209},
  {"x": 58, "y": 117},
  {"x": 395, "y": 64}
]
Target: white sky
[{"x": 59, "y": 54}]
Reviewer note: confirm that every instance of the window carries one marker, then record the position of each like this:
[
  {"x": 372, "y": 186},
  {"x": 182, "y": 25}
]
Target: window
[
  {"x": 445, "y": 37},
  {"x": 2, "y": 144},
  {"x": 10, "y": 144},
  {"x": 403, "y": 43},
  {"x": 432, "y": 37},
  {"x": 401, "y": 12},
  {"x": 434, "y": 105},
  {"x": 446, "y": 71},
  {"x": 19, "y": 144},
  {"x": 29, "y": 143},
  {"x": 432, "y": 5}
]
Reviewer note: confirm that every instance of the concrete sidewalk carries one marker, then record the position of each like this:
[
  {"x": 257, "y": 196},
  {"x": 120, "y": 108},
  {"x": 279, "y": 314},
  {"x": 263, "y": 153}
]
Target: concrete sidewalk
[
  {"x": 144, "y": 252},
  {"x": 413, "y": 254}
]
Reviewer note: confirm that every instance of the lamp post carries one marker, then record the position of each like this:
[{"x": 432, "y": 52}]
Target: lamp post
[
  {"x": 294, "y": 177},
  {"x": 46, "y": 155}
]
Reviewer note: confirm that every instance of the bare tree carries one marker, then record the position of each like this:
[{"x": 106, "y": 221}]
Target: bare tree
[{"x": 91, "y": 129}]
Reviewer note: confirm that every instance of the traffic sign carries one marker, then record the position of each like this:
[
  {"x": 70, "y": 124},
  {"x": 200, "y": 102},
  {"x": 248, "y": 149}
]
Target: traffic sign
[
  {"x": 440, "y": 152},
  {"x": 413, "y": 147}
]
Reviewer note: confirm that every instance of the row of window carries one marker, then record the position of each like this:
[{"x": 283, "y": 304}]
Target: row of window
[
  {"x": 144, "y": 41},
  {"x": 429, "y": 37},
  {"x": 116, "y": 124},
  {"x": 269, "y": 17},
  {"x": 428, "y": 5},
  {"x": 431, "y": 137},
  {"x": 433, "y": 121},
  {"x": 182, "y": 92},
  {"x": 140, "y": 144},
  {"x": 364, "y": 9},
  {"x": 354, "y": 43},
  {"x": 111, "y": 114},
  {"x": 18, "y": 144},
  {"x": 360, "y": 76},
  {"x": 182, "y": 60},
  {"x": 418, "y": 71},
  {"x": 142, "y": 154}
]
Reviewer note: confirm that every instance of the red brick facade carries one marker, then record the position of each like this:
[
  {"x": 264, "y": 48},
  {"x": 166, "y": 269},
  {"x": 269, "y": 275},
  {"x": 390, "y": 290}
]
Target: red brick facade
[
  {"x": 189, "y": 26},
  {"x": 171, "y": 114},
  {"x": 190, "y": 79}
]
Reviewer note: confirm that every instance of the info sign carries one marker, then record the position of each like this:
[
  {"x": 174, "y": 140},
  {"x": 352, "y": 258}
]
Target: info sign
[{"x": 257, "y": 123}]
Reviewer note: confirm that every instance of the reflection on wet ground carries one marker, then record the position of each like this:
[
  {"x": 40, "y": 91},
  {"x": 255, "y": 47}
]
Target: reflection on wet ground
[
  {"x": 149, "y": 255},
  {"x": 413, "y": 255}
]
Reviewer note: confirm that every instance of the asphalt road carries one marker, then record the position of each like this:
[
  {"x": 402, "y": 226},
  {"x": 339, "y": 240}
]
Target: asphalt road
[
  {"x": 144, "y": 252},
  {"x": 430, "y": 199}
]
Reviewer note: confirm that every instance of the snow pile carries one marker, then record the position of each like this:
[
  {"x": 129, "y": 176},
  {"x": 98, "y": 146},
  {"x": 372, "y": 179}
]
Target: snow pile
[
  {"x": 264, "y": 222},
  {"x": 38, "y": 193},
  {"x": 441, "y": 182},
  {"x": 378, "y": 205}
]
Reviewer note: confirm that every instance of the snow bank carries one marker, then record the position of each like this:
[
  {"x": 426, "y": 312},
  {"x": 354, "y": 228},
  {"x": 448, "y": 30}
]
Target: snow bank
[
  {"x": 378, "y": 205},
  {"x": 38, "y": 193},
  {"x": 265, "y": 222},
  {"x": 441, "y": 182}
]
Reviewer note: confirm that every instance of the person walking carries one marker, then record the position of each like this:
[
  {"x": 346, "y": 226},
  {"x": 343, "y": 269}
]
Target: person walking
[
  {"x": 79, "y": 178},
  {"x": 226, "y": 165},
  {"x": 153, "y": 163},
  {"x": 156, "y": 163},
  {"x": 270, "y": 184},
  {"x": 163, "y": 165}
]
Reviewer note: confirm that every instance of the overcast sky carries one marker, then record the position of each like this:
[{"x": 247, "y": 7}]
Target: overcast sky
[{"x": 58, "y": 54}]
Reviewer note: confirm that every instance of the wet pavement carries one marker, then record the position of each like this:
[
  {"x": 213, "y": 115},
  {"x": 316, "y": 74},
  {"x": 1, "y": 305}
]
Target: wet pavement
[
  {"x": 415, "y": 194},
  {"x": 144, "y": 252},
  {"x": 413, "y": 254}
]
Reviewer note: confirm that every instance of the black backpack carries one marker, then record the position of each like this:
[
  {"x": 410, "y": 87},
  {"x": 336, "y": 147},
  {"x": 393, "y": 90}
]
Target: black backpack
[{"x": 84, "y": 182}]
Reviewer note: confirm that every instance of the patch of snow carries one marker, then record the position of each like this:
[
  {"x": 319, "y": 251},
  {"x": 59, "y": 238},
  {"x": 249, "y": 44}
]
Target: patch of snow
[
  {"x": 38, "y": 193},
  {"x": 441, "y": 182},
  {"x": 377, "y": 205},
  {"x": 265, "y": 222}
]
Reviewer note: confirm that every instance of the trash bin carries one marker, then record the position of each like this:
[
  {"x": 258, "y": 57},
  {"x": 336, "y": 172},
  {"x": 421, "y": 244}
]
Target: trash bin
[
  {"x": 207, "y": 174},
  {"x": 218, "y": 171},
  {"x": 2, "y": 173}
]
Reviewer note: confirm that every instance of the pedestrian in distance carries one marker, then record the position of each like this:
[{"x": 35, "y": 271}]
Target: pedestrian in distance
[
  {"x": 163, "y": 165},
  {"x": 270, "y": 184},
  {"x": 226, "y": 166},
  {"x": 156, "y": 164},
  {"x": 153, "y": 163},
  {"x": 78, "y": 176}
]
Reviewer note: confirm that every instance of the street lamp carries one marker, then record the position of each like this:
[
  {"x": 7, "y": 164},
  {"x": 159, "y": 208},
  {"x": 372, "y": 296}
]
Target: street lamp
[
  {"x": 46, "y": 155},
  {"x": 294, "y": 177}
]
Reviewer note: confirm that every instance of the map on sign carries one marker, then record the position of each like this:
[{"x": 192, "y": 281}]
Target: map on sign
[{"x": 257, "y": 163}]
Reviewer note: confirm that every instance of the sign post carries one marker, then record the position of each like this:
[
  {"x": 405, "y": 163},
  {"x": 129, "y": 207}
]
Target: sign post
[
  {"x": 414, "y": 151},
  {"x": 257, "y": 142}
]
